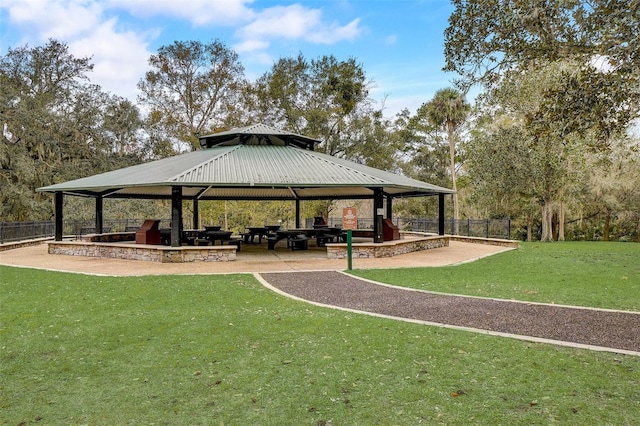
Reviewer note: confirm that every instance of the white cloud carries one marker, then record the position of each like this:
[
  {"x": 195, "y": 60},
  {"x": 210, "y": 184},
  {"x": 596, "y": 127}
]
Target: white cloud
[
  {"x": 198, "y": 12},
  {"x": 250, "y": 46},
  {"x": 334, "y": 33},
  {"x": 297, "y": 22},
  {"x": 119, "y": 58},
  {"x": 119, "y": 46},
  {"x": 52, "y": 19}
]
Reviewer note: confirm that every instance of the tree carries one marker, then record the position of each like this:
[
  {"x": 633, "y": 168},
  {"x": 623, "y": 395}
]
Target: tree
[
  {"x": 325, "y": 98},
  {"x": 448, "y": 109},
  {"x": 54, "y": 127},
  {"x": 593, "y": 48},
  {"x": 192, "y": 88},
  {"x": 423, "y": 156},
  {"x": 488, "y": 38},
  {"x": 611, "y": 200},
  {"x": 39, "y": 89},
  {"x": 122, "y": 124},
  {"x": 538, "y": 160},
  {"x": 500, "y": 166}
]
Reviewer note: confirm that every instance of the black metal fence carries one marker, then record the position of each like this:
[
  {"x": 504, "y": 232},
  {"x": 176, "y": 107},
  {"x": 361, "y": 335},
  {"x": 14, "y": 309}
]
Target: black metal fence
[
  {"x": 18, "y": 231},
  {"x": 485, "y": 228}
]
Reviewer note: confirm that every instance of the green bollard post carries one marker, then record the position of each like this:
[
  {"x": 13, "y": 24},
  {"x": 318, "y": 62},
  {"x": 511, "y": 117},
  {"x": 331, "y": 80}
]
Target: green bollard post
[{"x": 349, "y": 261}]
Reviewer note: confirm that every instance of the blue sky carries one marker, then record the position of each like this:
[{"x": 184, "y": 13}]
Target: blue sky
[{"x": 398, "y": 42}]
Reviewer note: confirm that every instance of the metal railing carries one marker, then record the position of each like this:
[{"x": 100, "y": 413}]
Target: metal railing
[
  {"x": 484, "y": 228},
  {"x": 19, "y": 231}
]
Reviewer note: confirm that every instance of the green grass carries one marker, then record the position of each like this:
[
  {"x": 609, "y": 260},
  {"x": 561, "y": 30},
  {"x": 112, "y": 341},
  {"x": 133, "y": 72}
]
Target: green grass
[
  {"x": 202, "y": 350},
  {"x": 601, "y": 275}
]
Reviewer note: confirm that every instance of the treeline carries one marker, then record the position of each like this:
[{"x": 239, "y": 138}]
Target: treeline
[{"x": 550, "y": 143}]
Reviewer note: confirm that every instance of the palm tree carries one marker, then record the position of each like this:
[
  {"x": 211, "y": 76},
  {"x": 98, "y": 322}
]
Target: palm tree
[{"x": 448, "y": 109}]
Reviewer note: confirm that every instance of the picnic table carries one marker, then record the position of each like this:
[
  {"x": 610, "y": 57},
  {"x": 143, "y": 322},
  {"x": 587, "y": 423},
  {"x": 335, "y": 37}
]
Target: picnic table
[
  {"x": 259, "y": 231},
  {"x": 322, "y": 236},
  {"x": 197, "y": 236},
  {"x": 214, "y": 236}
]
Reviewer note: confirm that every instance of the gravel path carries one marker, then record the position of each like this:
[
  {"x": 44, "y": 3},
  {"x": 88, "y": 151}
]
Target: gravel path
[{"x": 605, "y": 329}]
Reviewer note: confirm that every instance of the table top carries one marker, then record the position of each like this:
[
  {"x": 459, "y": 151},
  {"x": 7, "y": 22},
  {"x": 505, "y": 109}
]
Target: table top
[
  {"x": 257, "y": 229},
  {"x": 218, "y": 233}
]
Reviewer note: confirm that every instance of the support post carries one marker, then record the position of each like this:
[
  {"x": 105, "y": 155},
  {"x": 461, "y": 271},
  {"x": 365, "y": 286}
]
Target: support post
[
  {"x": 440, "y": 214},
  {"x": 59, "y": 198},
  {"x": 378, "y": 210},
  {"x": 389, "y": 207},
  {"x": 99, "y": 218},
  {"x": 297, "y": 213},
  {"x": 176, "y": 215},
  {"x": 196, "y": 214}
]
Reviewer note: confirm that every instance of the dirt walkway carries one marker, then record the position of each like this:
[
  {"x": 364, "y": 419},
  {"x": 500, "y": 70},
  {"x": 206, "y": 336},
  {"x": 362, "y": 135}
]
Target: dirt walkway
[{"x": 608, "y": 330}]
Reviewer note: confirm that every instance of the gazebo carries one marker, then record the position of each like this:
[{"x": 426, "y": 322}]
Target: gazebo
[{"x": 255, "y": 162}]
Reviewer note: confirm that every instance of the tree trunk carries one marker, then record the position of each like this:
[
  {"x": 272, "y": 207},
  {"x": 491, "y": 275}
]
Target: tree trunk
[
  {"x": 607, "y": 225},
  {"x": 547, "y": 221},
  {"x": 529, "y": 230},
  {"x": 452, "y": 162}
]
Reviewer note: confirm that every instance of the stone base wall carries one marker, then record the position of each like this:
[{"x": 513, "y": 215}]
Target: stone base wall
[
  {"x": 489, "y": 241},
  {"x": 24, "y": 243},
  {"x": 387, "y": 249},
  {"x": 149, "y": 253}
]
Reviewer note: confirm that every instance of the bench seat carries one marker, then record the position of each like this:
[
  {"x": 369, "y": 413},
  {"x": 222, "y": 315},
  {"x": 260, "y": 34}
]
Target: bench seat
[{"x": 298, "y": 242}]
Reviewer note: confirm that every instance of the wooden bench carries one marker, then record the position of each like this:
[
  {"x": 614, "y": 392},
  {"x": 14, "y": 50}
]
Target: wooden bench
[
  {"x": 91, "y": 230},
  {"x": 271, "y": 242},
  {"x": 323, "y": 239},
  {"x": 298, "y": 242},
  {"x": 235, "y": 242}
]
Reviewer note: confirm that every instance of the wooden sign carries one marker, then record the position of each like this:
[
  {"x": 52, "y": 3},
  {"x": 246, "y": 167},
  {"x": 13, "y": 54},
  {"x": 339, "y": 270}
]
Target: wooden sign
[{"x": 349, "y": 218}]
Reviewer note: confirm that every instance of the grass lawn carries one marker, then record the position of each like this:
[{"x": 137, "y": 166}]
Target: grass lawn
[
  {"x": 600, "y": 275},
  {"x": 203, "y": 350}
]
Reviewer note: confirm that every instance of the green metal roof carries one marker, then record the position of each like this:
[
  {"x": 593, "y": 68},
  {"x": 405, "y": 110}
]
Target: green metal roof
[{"x": 248, "y": 171}]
